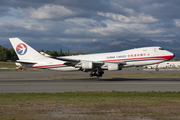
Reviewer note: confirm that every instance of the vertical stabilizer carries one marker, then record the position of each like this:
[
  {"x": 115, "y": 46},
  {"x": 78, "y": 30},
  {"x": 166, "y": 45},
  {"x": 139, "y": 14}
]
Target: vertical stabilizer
[{"x": 24, "y": 51}]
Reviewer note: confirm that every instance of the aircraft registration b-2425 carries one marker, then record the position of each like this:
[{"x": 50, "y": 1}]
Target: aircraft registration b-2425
[{"x": 96, "y": 64}]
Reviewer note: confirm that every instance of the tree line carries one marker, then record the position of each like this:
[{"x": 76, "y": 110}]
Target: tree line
[{"x": 9, "y": 54}]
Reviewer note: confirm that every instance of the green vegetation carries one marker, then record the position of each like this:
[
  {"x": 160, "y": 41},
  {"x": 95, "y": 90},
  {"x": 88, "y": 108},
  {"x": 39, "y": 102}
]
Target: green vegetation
[
  {"x": 7, "y": 64},
  {"x": 96, "y": 105},
  {"x": 7, "y": 54}
]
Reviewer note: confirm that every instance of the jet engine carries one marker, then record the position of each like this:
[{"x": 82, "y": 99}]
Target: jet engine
[
  {"x": 87, "y": 65},
  {"x": 113, "y": 67}
]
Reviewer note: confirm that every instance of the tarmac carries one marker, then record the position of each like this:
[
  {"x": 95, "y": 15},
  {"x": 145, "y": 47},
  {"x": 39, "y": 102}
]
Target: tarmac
[{"x": 40, "y": 81}]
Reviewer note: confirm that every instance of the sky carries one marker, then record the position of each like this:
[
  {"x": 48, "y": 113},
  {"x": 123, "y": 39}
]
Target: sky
[{"x": 56, "y": 21}]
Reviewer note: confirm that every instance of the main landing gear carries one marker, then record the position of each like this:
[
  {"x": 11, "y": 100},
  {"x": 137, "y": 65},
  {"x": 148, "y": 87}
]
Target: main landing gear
[
  {"x": 157, "y": 69},
  {"x": 97, "y": 73}
]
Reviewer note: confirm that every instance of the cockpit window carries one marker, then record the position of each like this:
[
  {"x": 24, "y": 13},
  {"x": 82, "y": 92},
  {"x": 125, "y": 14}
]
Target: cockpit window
[{"x": 161, "y": 49}]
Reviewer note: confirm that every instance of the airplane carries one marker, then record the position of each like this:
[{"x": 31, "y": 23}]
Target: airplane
[{"x": 96, "y": 64}]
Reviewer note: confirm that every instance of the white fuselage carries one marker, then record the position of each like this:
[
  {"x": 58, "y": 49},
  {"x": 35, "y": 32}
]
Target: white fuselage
[{"x": 132, "y": 57}]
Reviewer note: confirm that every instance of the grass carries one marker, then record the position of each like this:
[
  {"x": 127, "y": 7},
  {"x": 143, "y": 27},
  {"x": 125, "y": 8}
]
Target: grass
[
  {"x": 10, "y": 65},
  {"x": 90, "y": 105},
  {"x": 7, "y": 64}
]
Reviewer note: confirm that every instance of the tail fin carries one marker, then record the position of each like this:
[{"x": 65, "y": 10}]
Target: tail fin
[{"x": 24, "y": 51}]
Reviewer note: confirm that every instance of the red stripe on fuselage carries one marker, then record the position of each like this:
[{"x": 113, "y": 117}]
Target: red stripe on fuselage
[
  {"x": 159, "y": 57},
  {"x": 44, "y": 66}
]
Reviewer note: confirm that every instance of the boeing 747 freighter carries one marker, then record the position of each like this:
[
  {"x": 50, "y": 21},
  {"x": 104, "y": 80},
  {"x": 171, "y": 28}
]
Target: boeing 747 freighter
[{"x": 96, "y": 64}]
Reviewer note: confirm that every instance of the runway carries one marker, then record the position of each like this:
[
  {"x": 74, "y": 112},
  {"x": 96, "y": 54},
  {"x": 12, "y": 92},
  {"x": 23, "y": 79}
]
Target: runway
[
  {"x": 92, "y": 84},
  {"x": 33, "y": 82}
]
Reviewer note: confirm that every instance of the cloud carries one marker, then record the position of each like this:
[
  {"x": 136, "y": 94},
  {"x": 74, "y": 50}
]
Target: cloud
[
  {"x": 141, "y": 18},
  {"x": 177, "y": 22},
  {"x": 119, "y": 30},
  {"x": 89, "y": 20},
  {"x": 52, "y": 12}
]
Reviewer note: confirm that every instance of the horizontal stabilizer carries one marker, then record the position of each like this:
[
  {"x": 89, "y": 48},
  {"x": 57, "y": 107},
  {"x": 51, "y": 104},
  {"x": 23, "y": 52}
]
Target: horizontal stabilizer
[{"x": 26, "y": 62}]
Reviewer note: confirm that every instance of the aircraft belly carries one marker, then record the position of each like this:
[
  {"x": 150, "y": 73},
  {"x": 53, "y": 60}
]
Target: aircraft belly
[
  {"x": 139, "y": 63},
  {"x": 150, "y": 62}
]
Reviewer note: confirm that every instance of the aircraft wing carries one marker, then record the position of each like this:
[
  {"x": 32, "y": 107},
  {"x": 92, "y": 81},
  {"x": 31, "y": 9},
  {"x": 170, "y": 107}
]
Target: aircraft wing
[
  {"x": 67, "y": 59},
  {"x": 95, "y": 63},
  {"x": 70, "y": 60}
]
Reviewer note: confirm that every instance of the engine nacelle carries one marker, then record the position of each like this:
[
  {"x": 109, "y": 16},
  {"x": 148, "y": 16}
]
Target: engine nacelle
[
  {"x": 112, "y": 67},
  {"x": 87, "y": 65},
  {"x": 18, "y": 64}
]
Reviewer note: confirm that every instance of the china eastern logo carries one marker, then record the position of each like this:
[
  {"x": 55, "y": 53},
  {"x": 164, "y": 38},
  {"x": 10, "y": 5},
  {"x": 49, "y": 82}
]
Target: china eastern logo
[{"x": 21, "y": 49}]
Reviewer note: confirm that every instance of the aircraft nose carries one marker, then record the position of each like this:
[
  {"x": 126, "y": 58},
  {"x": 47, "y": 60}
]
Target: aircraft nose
[
  {"x": 172, "y": 55},
  {"x": 169, "y": 54}
]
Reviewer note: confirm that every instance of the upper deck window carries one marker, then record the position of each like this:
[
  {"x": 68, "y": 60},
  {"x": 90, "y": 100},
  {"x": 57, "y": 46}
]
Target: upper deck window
[{"x": 161, "y": 49}]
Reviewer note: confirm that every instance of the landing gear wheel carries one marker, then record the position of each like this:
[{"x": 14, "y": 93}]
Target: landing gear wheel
[
  {"x": 157, "y": 69},
  {"x": 100, "y": 73},
  {"x": 97, "y": 73}
]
